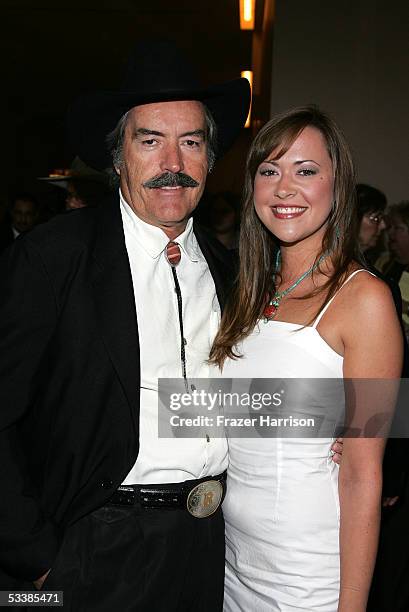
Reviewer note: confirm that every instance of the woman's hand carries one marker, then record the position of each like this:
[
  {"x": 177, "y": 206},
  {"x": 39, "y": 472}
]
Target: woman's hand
[{"x": 336, "y": 450}]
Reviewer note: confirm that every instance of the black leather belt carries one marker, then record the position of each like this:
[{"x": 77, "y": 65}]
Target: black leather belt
[{"x": 200, "y": 497}]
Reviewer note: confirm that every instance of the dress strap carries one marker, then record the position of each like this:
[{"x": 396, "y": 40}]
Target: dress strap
[{"x": 324, "y": 310}]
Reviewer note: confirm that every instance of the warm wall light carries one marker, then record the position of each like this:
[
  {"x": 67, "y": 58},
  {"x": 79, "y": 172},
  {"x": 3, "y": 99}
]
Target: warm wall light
[
  {"x": 247, "y": 10},
  {"x": 248, "y": 74}
]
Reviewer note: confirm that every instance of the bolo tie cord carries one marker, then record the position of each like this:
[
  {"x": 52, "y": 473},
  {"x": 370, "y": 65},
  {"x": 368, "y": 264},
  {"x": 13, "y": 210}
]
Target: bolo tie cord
[
  {"x": 182, "y": 335},
  {"x": 173, "y": 255}
]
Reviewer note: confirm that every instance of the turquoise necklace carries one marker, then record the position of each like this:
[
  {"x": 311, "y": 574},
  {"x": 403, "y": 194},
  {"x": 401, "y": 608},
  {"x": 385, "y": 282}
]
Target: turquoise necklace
[{"x": 270, "y": 311}]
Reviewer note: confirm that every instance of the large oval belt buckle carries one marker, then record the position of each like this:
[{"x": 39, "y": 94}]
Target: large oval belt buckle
[{"x": 204, "y": 499}]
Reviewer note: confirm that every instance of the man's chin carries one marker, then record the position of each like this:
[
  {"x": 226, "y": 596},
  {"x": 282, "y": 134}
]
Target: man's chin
[
  {"x": 175, "y": 206},
  {"x": 174, "y": 215}
]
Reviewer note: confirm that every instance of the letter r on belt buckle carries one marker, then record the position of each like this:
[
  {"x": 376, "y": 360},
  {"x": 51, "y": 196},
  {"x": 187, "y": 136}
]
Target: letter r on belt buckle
[{"x": 204, "y": 499}]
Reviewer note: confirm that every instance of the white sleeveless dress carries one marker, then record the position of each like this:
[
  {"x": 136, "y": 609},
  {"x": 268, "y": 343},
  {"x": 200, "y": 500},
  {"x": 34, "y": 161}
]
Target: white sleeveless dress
[{"x": 282, "y": 508}]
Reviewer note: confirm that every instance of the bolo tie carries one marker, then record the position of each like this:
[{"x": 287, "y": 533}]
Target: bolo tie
[{"x": 173, "y": 256}]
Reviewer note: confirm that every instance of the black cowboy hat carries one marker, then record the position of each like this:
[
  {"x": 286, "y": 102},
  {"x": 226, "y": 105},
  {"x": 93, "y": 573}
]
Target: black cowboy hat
[{"x": 156, "y": 72}]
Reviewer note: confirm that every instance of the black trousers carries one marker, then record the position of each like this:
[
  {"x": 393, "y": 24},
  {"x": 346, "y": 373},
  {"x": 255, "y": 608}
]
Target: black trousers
[{"x": 134, "y": 559}]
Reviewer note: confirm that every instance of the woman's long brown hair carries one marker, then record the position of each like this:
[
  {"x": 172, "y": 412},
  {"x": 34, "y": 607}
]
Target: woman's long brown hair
[{"x": 258, "y": 246}]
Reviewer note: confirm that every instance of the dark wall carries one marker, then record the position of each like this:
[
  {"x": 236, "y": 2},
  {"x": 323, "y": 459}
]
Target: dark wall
[
  {"x": 352, "y": 59},
  {"x": 51, "y": 51}
]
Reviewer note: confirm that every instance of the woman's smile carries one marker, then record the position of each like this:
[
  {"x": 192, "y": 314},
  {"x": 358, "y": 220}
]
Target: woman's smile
[{"x": 288, "y": 212}]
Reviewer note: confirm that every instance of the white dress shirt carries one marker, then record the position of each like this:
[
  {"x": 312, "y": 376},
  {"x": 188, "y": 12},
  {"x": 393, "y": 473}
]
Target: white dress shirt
[{"x": 165, "y": 460}]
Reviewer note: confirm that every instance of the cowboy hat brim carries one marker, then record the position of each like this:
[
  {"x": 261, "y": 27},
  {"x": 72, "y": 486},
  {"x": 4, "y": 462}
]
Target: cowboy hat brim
[
  {"x": 94, "y": 116},
  {"x": 78, "y": 171},
  {"x": 56, "y": 181}
]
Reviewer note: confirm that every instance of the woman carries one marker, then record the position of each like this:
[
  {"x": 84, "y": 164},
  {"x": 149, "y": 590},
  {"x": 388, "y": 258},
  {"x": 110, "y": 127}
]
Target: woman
[
  {"x": 371, "y": 204},
  {"x": 396, "y": 265},
  {"x": 297, "y": 536}
]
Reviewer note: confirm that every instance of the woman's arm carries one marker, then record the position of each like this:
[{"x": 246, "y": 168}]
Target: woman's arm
[
  {"x": 373, "y": 350},
  {"x": 360, "y": 488}
]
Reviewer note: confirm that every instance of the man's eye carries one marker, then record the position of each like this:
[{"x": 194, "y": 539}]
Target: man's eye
[
  {"x": 192, "y": 143},
  {"x": 149, "y": 141}
]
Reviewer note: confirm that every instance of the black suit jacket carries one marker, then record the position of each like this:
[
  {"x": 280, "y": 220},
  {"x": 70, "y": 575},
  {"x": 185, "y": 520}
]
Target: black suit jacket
[
  {"x": 6, "y": 236},
  {"x": 70, "y": 377}
]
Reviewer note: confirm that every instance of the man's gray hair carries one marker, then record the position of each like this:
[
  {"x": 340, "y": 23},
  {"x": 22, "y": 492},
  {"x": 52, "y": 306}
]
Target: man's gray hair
[{"x": 115, "y": 143}]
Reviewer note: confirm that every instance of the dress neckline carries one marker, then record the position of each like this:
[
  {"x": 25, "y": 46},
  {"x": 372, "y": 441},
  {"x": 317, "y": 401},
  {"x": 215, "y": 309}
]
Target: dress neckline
[{"x": 302, "y": 327}]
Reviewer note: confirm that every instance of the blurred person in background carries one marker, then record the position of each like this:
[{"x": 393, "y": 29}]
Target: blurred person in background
[
  {"x": 224, "y": 219},
  {"x": 23, "y": 216},
  {"x": 82, "y": 192},
  {"x": 371, "y": 205},
  {"x": 395, "y": 264},
  {"x": 390, "y": 587},
  {"x": 84, "y": 185}
]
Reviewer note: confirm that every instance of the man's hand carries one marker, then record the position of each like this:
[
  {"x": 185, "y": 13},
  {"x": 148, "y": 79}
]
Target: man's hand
[
  {"x": 40, "y": 581},
  {"x": 336, "y": 449}
]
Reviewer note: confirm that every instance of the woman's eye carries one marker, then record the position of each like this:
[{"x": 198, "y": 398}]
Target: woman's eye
[
  {"x": 307, "y": 172},
  {"x": 268, "y": 172}
]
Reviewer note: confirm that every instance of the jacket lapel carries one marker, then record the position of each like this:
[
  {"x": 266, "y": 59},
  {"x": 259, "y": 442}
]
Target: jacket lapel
[{"x": 115, "y": 302}]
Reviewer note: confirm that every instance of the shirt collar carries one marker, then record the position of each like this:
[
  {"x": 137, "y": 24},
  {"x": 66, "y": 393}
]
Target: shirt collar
[{"x": 153, "y": 239}]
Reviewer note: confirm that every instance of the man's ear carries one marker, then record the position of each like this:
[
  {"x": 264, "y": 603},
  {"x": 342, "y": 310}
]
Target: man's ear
[{"x": 117, "y": 170}]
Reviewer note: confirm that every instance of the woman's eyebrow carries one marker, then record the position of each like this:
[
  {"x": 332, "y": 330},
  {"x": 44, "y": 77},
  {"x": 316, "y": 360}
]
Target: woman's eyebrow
[
  {"x": 302, "y": 161},
  {"x": 298, "y": 162}
]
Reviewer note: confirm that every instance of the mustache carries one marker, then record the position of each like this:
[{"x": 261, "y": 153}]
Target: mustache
[{"x": 171, "y": 179}]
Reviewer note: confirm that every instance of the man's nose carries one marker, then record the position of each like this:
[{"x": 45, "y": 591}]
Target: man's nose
[{"x": 172, "y": 160}]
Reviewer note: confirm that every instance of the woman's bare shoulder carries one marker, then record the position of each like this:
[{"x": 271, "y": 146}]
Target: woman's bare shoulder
[
  {"x": 367, "y": 292},
  {"x": 370, "y": 329},
  {"x": 367, "y": 308}
]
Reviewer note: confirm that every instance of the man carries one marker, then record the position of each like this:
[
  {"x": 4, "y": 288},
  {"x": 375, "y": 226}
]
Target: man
[
  {"x": 83, "y": 185},
  {"x": 371, "y": 205},
  {"x": 94, "y": 312},
  {"x": 23, "y": 217}
]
